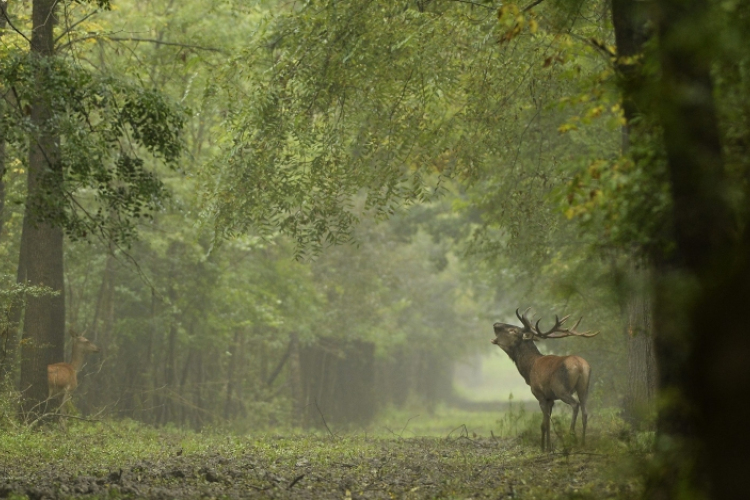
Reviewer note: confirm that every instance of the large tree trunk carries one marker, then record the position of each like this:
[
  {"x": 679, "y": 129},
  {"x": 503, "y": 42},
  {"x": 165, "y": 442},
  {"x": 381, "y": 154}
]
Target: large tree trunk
[
  {"x": 44, "y": 320},
  {"x": 700, "y": 345},
  {"x": 629, "y": 19}
]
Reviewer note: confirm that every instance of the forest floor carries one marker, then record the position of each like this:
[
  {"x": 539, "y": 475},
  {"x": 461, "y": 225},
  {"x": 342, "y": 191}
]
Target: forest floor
[{"x": 128, "y": 460}]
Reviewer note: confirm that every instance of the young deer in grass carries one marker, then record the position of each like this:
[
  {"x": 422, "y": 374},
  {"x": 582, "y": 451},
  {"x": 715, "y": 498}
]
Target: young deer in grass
[
  {"x": 550, "y": 377},
  {"x": 62, "y": 378}
]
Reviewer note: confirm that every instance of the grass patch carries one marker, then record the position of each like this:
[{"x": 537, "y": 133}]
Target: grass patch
[{"x": 449, "y": 454}]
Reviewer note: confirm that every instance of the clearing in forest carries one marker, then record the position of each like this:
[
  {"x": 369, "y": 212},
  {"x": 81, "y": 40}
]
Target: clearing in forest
[{"x": 126, "y": 460}]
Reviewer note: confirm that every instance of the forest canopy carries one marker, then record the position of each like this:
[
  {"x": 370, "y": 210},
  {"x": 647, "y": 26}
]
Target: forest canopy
[{"x": 267, "y": 212}]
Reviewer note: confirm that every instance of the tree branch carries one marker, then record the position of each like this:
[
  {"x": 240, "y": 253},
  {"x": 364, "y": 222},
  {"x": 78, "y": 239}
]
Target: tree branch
[
  {"x": 161, "y": 42},
  {"x": 532, "y": 5},
  {"x": 4, "y": 13},
  {"x": 135, "y": 39},
  {"x": 70, "y": 28},
  {"x": 490, "y": 7}
]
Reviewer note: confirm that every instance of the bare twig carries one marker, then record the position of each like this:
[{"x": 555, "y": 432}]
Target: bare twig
[
  {"x": 295, "y": 481},
  {"x": 323, "y": 419},
  {"x": 407, "y": 423},
  {"x": 579, "y": 453},
  {"x": 532, "y": 5}
]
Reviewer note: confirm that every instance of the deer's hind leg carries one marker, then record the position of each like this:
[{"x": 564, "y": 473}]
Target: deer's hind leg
[{"x": 574, "y": 404}]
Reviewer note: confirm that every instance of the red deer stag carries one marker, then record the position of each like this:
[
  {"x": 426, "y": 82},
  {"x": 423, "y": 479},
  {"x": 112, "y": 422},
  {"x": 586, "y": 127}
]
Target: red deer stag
[
  {"x": 62, "y": 378},
  {"x": 550, "y": 377}
]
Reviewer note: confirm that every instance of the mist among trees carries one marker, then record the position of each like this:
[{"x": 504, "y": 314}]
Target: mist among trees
[{"x": 303, "y": 218}]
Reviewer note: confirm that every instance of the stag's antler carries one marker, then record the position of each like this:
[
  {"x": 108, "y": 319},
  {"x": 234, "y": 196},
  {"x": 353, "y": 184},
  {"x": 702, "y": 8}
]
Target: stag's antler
[
  {"x": 523, "y": 319},
  {"x": 557, "y": 333}
]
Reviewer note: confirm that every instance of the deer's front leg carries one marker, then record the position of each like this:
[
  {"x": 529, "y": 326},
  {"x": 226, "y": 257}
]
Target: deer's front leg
[{"x": 546, "y": 406}]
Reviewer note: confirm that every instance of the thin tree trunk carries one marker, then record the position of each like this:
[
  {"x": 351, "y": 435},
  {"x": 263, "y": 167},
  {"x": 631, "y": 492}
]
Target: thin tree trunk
[
  {"x": 233, "y": 355},
  {"x": 149, "y": 384},
  {"x": 279, "y": 366},
  {"x": 105, "y": 310},
  {"x": 295, "y": 379},
  {"x": 199, "y": 390},
  {"x": 44, "y": 321},
  {"x": 169, "y": 374},
  {"x": 9, "y": 336},
  {"x": 186, "y": 410},
  {"x": 3, "y": 22}
]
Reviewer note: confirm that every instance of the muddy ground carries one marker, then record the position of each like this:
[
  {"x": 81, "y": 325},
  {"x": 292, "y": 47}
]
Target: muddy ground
[{"x": 461, "y": 467}]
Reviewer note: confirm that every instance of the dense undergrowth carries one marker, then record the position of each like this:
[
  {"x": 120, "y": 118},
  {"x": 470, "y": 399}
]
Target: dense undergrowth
[{"x": 448, "y": 454}]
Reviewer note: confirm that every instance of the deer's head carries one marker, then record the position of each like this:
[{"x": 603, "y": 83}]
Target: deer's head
[
  {"x": 508, "y": 337},
  {"x": 82, "y": 344}
]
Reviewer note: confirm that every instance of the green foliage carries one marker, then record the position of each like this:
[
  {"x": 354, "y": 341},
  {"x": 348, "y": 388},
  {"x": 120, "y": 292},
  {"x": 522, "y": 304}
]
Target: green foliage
[
  {"x": 13, "y": 296},
  {"x": 104, "y": 123},
  {"x": 352, "y": 97}
]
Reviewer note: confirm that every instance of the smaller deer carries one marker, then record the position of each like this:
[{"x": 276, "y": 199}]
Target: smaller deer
[
  {"x": 550, "y": 377},
  {"x": 62, "y": 378}
]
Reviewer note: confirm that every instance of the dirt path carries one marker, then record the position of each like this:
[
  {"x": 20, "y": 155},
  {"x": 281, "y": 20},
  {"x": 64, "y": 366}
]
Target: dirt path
[{"x": 367, "y": 468}]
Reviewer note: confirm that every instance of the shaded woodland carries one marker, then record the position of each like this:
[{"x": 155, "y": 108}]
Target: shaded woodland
[{"x": 273, "y": 215}]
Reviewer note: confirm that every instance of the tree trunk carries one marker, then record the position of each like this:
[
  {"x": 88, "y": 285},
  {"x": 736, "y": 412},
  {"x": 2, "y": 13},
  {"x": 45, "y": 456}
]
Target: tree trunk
[
  {"x": 696, "y": 354},
  {"x": 295, "y": 382},
  {"x": 44, "y": 320},
  {"x": 198, "y": 422},
  {"x": 3, "y": 22},
  {"x": 629, "y": 20},
  {"x": 170, "y": 388},
  {"x": 105, "y": 311},
  {"x": 642, "y": 374},
  {"x": 8, "y": 337},
  {"x": 231, "y": 368}
]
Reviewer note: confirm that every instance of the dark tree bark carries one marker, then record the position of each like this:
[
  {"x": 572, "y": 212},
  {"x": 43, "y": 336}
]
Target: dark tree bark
[
  {"x": 629, "y": 19},
  {"x": 642, "y": 372},
  {"x": 702, "y": 217},
  {"x": 44, "y": 319},
  {"x": 694, "y": 342}
]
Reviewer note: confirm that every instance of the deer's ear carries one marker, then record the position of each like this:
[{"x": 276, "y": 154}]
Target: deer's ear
[{"x": 528, "y": 335}]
